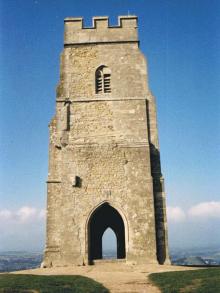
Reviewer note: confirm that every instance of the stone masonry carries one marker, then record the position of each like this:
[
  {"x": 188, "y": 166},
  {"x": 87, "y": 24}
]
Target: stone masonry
[{"x": 104, "y": 158}]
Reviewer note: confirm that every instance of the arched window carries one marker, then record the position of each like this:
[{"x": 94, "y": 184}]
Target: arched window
[{"x": 103, "y": 80}]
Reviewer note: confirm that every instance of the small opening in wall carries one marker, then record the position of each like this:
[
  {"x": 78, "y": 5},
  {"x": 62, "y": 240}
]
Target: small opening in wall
[
  {"x": 103, "y": 80},
  {"x": 77, "y": 182}
]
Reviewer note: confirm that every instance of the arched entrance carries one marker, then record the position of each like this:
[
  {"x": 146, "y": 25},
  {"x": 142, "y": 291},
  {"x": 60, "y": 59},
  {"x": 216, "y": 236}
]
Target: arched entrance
[{"x": 105, "y": 216}]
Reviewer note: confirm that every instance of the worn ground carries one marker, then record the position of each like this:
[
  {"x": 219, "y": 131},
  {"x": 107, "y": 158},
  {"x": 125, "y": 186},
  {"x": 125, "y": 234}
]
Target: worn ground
[{"x": 118, "y": 277}]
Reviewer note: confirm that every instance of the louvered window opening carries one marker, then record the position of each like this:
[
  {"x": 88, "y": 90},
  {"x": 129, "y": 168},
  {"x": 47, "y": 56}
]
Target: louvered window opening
[
  {"x": 103, "y": 81},
  {"x": 99, "y": 83},
  {"x": 107, "y": 83}
]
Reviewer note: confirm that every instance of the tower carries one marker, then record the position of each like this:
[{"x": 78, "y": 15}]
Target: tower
[{"x": 104, "y": 159}]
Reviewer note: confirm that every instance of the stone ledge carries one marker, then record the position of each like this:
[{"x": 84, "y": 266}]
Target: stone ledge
[
  {"x": 97, "y": 99},
  {"x": 53, "y": 181}
]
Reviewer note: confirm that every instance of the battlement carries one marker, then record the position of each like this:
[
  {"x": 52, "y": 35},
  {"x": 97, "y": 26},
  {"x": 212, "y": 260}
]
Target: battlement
[{"x": 100, "y": 32}]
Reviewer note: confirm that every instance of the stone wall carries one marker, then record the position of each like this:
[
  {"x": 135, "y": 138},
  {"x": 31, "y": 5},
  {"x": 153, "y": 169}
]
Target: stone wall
[
  {"x": 79, "y": 63},
  {"x": 104, "y": 147}
]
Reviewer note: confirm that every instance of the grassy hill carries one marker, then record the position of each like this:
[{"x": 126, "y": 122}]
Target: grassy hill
[
  {"x": 10, "y": 283},
  {"x": 198, "y": 281}
]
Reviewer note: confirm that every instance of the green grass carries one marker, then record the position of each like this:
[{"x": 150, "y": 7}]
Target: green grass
[
  {"x": 198, "y": 281},
  {"x": 10, "y": 283}
]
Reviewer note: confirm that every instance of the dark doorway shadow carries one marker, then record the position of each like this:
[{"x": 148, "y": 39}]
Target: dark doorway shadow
[{"x": 102, "y": 218}]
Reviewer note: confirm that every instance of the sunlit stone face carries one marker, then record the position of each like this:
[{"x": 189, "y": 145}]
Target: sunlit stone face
[{"x": 104, "y": 162}]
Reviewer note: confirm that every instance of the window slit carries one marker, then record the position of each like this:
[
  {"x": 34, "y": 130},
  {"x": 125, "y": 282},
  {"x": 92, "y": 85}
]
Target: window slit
[{"x": 103, "y": 80}]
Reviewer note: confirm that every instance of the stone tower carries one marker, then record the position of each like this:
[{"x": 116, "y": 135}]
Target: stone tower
[{"x": 104, "y": 159}]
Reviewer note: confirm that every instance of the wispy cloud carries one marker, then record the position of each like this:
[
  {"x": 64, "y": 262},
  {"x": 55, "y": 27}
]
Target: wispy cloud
[
  {"x": 204, "y": 210},
  {"x": 210, "y": 209},
  {"x": 176, "y": 214},
  {"x": 5, "y": 214},
  {"x": 24, "y": 214},
  {"x": 42, "y": 214},
  {"x": 22, "y": 228}
]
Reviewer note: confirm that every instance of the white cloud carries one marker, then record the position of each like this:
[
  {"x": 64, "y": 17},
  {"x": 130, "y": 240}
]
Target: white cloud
[
  {"x": 22, "y": 228},
  {"x": 210, "y": 209},
  {"x": 176, "y": 214},
  {"x": 26, "y": 213},
  {"x": 5, "y": 214},
  {"x": 42, "y": 214},
  {"x": 203, "y": 210}
]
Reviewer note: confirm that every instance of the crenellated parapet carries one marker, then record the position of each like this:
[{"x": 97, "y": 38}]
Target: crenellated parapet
[{"x": 100, "y": 32}]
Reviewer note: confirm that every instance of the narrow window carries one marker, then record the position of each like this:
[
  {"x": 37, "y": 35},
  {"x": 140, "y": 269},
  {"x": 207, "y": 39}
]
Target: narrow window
[
  {"x": 103, "y": 80},
  {"x": 99, "y": 83},
  {"x": 107, "y": 83}
]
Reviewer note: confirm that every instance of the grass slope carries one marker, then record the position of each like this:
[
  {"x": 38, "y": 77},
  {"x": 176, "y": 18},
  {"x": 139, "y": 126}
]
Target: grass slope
[
  {"x": 10, "y": 283},
  {"x": 198, "y": 281}
]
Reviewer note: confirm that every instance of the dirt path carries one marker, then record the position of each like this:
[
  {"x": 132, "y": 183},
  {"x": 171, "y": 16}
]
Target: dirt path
[{"x": 119, "y": 278}]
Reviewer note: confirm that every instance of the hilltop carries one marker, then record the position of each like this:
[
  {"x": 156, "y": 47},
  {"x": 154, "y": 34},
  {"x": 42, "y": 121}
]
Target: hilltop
[{"x": 117, "y": 277}]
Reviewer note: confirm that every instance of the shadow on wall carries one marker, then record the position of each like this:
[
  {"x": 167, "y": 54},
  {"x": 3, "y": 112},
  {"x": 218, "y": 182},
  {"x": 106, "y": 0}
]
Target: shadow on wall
[{"x": 159, "y": 205}]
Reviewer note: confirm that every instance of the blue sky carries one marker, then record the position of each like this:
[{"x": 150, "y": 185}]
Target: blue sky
[{"x": 181, "y": 39}]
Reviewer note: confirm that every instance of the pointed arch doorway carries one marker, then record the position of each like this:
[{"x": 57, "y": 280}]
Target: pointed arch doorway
[{"x": 105, "y": 216}]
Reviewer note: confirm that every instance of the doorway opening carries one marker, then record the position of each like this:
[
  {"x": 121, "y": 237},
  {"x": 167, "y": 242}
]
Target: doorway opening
[
  {"x": 104, "y": 217},
  {"x": 109, "y": 244}
]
